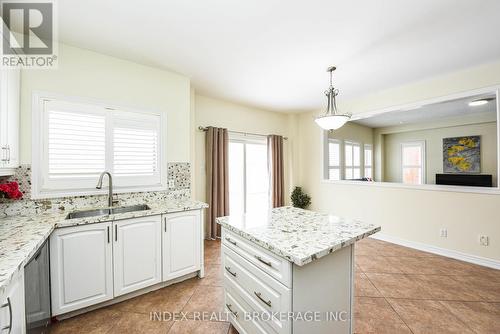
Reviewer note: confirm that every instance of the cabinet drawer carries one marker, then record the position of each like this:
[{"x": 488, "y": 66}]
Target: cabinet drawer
[
  {"x": 275, "y": 266},
  {"x": 236, "y": 309},
  {"x": 262, "y": 292}
]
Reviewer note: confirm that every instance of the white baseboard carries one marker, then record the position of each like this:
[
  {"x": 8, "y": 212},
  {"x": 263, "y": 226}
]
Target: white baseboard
[{"x": 482, "y": 261}]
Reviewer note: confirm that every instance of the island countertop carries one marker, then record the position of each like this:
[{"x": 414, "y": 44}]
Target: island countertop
[{"x": 300, "y": 236}]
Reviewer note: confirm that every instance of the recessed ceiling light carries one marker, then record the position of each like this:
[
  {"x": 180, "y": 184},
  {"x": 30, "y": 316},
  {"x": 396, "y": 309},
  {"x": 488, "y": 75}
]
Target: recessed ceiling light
[{"x": 479, "y": 102}]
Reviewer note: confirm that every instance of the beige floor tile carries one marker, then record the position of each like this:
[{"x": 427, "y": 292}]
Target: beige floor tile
[
  {"x": 375, "y": 315},
  {"x": 136, "y": 323},
  {"x": 206, "y": 299},
  {"x": 212, "y": 252},
  {"x": 483, "y": 318},
  {"x": 488, "y": 290},
  {"x": 94, "y": 322},
  {"x": 213, "y": 275},
  {"x": 363, "y": 287},
  {"x": 169, "y": 299},
  {"x": 428, "y": 317},
  {"x": 418, "y": 265},
  {"x": 377, "y": 265},
  {"x": 199, "y": 327},
  {"x": 446, "y": 288},
  {"x": 398, "y": 286}
]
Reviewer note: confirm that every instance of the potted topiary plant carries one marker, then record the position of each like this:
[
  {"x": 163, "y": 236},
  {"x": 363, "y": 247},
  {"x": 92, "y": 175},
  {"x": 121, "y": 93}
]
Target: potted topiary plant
[{"x": 299, "y": 198}]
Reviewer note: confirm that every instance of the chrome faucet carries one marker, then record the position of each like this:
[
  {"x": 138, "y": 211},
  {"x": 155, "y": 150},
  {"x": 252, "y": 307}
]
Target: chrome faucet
[{"x": 110, "y": 193}]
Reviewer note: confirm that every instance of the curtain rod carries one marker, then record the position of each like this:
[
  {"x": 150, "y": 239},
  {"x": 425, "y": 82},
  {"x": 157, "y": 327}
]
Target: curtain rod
[{"x": 201, "y": 128}]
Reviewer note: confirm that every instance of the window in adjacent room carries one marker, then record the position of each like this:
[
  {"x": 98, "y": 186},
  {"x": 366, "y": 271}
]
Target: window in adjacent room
[
  {"x": 368, "y": 161},
  {"x": 352, "y": 158},
  {"x": 248, "y": 174},
  {"x": 79, "y": 140},
  {"x": 333, "y": 159},
  {"x": 413, "y": 162}
]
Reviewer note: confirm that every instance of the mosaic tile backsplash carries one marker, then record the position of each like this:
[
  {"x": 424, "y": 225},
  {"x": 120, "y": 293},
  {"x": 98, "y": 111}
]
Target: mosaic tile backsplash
[{"x": 180, "y": 172}]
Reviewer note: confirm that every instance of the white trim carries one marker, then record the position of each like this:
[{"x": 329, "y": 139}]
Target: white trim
[
  {"x": 482, "y": 261},
  {"x": 427, "y": 187},
  {"x": 38, "y": 100}
]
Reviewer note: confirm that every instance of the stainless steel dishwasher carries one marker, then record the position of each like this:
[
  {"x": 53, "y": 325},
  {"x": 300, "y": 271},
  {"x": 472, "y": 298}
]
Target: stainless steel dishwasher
[{"x": 37, "y": 292}]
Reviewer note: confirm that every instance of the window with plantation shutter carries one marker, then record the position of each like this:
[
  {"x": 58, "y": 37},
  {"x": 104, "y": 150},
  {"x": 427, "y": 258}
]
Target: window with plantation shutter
[
  {"x": 80, "y": 140},
  {"x": 135, "y": 146},
  {"x": 333, "y": 159}
]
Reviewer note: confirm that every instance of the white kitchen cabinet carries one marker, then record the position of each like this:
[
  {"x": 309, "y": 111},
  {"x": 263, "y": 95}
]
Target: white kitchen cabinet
[
  {"x": 12, "y": 318},
  {"x": 137, "y": 253},
  {"x": 81, "y": 266},
  {"x": 12, "y": 307},
  {"x": 9, "y": 120},
  {"x": 181, "y": 244}
]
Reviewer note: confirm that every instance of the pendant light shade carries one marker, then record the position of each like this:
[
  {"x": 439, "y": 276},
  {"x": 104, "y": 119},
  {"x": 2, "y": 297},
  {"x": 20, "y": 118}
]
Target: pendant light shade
[{"x": 332, "y": 119}]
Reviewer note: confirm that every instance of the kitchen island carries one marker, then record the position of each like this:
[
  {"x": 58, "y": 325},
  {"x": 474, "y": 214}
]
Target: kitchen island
[{"x": 290, "y": 270}]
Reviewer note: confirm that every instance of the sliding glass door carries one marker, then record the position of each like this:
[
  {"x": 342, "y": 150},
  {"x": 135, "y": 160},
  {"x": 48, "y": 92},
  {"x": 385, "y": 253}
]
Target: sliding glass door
[{"x": 248, "y": 175}]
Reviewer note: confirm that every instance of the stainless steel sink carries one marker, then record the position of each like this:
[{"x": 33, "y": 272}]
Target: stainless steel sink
[{"x": 107, "y": 211}]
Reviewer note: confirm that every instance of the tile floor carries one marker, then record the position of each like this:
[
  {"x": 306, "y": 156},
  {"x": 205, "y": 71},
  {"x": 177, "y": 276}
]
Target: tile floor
[{"x": 398, "y": 290}]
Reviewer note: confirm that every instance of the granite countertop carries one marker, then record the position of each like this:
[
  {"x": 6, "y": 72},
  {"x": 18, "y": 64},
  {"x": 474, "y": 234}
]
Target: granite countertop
[
  {"x": 298, "y": 235},
  {"x": 22, "y": 236}
]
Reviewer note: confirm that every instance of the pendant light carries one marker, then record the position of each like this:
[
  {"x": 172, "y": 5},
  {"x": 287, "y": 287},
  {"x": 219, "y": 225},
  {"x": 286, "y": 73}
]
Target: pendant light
[{"x": 332, "y": 119}]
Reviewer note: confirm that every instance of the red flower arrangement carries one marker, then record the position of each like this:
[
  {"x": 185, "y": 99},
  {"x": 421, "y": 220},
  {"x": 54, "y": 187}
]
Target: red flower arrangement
[{"x": 10, "y": 190}]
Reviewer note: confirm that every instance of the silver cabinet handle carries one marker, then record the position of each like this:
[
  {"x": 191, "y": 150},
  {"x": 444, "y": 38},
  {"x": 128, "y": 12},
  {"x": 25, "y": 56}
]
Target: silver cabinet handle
[
  {"x": 228, "y": 269},
  {"x": 108, "y": 234},
  {"x": 231, "y": 241},
  {"x": 259, "y": 295},
  {"x": 9, "y": 305},
  {"x": 231, "y": 310},
  {"x": 116, "y": 232},
  {"x": 4, "y": 153},
  {"x": 165, "y": 223},
  {"x": 267, "y": 263}
]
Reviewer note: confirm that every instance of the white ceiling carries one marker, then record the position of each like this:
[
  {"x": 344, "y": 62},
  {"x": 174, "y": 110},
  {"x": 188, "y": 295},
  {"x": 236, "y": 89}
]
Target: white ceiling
[
  {"x": 433, "y": 112},
  {"x": 273, "y": 53}
]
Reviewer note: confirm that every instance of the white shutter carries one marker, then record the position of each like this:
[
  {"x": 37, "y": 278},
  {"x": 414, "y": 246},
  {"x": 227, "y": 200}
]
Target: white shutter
[
  {"x": 75, "y": 141},
  {"x": 80, "y": 140},
  {"x": 136, "y": 138}
]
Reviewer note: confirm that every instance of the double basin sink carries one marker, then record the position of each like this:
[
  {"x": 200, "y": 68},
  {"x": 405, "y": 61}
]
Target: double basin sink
[{"x": 107, "y": 211}]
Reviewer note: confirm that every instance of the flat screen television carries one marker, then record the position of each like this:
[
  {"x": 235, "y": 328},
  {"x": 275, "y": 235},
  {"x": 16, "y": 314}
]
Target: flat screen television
[{"x": 472, "y": 180}]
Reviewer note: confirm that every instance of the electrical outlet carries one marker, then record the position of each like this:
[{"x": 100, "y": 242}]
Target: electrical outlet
[
  {"x": 484, "y": 240},
  {"x": 443, "y": 233},
  {"x": 171, "y": 184}
]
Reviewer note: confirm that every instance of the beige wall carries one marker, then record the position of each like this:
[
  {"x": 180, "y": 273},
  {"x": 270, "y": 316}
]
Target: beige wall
[
  {"x": 434, "y": 149},
  {"x": 83, "y": 73},
  {"x": 235, "y": 117},
  {"x": 415, "y": 215}
]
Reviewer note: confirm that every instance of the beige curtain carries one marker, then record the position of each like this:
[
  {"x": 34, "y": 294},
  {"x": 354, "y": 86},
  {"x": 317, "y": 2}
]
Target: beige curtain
[
  {"x": 217, "y": 179},
  {"x": 275, "y": 152}
]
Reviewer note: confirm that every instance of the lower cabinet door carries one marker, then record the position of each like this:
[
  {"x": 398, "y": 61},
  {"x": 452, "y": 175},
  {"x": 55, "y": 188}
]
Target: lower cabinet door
[
  {"x": 12, "y": 316},
  {"x": 181, "y": 243},
  {"x": 80, "y": 266},
  {"x": 137, "y": 253}
]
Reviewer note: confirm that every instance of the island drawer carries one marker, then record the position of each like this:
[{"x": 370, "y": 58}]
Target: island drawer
[
  {"x": 270, "y": 263},
  {"x": 237, "y": 310},
  {"x": 263, "y": 293}
]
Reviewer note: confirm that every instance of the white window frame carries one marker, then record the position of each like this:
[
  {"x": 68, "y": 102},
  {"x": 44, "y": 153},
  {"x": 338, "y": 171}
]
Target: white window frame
[
  {"x": 414, "y": 143},
  {"x": 244, "y": 139},
  {"x": 367, "y": 164},
  {"x": 39, "y": 154},
  {"x": 328, "y": 167},
  {"x": 353, "y": 166}
]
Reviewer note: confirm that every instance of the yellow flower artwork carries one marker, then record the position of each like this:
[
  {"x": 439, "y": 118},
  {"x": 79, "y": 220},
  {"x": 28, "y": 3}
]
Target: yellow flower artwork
[{"x": 462, "y": 154}]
